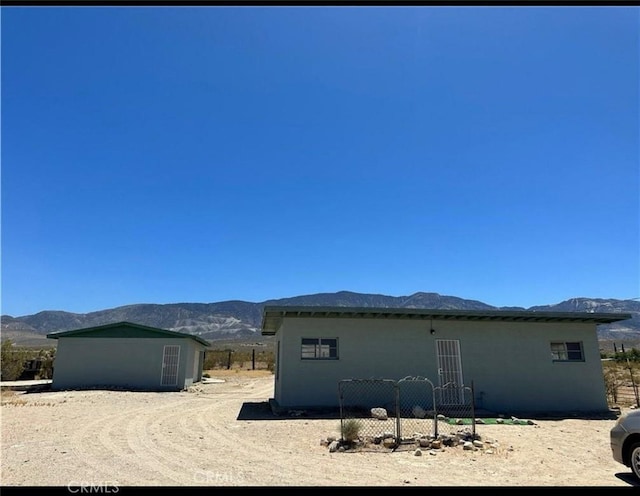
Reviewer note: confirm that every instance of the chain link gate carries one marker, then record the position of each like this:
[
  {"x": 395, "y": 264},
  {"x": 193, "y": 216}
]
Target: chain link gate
[
  {"x": 411, "y": 408},
  {"x": 455, "y": 403},
  {"x": 417, "y": 408}
]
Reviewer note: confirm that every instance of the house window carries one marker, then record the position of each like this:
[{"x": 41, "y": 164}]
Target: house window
[
  {"x": 319, "y": 349},
  {"x": 567, "y": 352}
]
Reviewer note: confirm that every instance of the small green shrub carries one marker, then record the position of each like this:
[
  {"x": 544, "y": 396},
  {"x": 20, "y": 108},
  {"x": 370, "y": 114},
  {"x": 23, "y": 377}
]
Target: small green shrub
[{"x": 350, "y": 429}]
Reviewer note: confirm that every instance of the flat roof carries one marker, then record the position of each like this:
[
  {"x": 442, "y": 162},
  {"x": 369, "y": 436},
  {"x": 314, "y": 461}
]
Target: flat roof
[
  {"x": 151, "y": 331},
  {"x": 272, "y": 316}
]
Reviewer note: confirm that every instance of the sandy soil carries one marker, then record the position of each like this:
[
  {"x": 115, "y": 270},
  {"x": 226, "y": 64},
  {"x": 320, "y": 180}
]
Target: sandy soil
[{"x": 220, "y": 434}]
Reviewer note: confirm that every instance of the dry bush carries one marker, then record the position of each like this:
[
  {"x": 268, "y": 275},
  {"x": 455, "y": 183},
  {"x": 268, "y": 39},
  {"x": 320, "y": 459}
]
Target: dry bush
[
  {"x": 350, "y": 430},
  {"x": 11, "y": 398},
  {"x": 12, "y": 361}
]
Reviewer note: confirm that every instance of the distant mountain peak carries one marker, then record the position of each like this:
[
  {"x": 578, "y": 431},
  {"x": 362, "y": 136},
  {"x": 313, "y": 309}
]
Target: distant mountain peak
[{"x": 241, "y": 320}]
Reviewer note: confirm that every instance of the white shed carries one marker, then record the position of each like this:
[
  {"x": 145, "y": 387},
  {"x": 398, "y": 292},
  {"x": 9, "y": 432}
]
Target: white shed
[{"x": 127, "y": 355}]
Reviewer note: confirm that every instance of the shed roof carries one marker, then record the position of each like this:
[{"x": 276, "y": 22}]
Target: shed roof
[
  {"x": 272, "y": 316},
  {"x": 133, "y": 331}
]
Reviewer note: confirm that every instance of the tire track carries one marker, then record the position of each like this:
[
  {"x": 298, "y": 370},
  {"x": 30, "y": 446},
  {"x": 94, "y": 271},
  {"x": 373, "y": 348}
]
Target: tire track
[
  {"x": 165, "y": 464},
  {"x": 92, "y": 439}
]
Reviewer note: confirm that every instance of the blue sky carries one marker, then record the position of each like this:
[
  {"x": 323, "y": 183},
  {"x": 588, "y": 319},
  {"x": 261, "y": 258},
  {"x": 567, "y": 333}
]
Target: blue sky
[{"x": 202, "y": 154}]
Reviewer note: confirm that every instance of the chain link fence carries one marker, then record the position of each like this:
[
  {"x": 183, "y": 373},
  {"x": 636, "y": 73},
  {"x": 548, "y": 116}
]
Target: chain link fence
[
  {"x": 455, "y": 408},
  {"x": 387, "y": 413},
  {"x": 368, "y": 409},
  {"x": 622, "y": 383}
]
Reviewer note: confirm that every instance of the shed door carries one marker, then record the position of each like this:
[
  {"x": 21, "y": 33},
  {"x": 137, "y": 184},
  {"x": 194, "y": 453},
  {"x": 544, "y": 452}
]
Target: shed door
[
  {"x": 450, "y": 371},
  {"x": 170, "y": 360}
]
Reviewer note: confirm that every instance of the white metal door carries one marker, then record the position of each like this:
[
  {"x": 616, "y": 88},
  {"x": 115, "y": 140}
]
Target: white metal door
[
  {"x": 450, "y": 371},
  {"x": 170, "y": 361}
]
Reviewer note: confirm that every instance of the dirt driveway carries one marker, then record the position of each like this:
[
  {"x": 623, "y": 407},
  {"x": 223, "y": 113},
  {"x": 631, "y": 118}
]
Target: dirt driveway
[{"x": 216, "y": 435}]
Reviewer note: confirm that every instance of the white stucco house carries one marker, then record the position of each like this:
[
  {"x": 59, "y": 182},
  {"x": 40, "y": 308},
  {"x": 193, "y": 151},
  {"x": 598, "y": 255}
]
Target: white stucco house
[{"x": 517, "y": 361}]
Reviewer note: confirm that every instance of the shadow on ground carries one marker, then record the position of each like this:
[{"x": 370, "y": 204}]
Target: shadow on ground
[
  {"x": 628, "y": 478},
  {"x": 263, "y": 410},
  {"x": 269, "y": 410}
]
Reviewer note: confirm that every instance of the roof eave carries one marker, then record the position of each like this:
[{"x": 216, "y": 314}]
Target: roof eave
[
  {"x": 272, "y": 316},
  {"x": 74, "y": 332}
]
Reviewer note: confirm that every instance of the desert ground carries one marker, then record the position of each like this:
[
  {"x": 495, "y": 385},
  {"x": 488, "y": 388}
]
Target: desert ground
[{"x": 221, "y": 434}]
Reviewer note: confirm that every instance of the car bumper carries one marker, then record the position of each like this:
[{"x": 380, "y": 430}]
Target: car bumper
[{"x": 617, "y": 437}]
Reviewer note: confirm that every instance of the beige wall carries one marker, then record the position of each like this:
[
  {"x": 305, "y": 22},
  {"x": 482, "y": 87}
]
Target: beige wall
[{"x": 509, "y": 363}]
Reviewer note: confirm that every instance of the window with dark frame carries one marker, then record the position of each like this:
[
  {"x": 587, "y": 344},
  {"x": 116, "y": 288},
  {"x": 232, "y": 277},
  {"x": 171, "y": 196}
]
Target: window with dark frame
[
  {"x": 319, "y": 349},
  {"x": 566, "y": 351}
]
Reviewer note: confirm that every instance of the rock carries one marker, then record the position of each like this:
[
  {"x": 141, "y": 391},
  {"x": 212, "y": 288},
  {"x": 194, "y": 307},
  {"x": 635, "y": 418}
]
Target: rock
[
  {"x": 333, "y": 447},
  {"x": 478, "y": 444},
  {"x": 468, "y": 445},
  {"x": 389, "y": 442},
  {"x": 419, "y": 412},
  {"x": 418, "y": 452},
  {"x": 379, "y": 413},
  {"x": 448, "y": 441},
  {"x": 424, "y": 442},
  {"x": 436, "y": 444}
]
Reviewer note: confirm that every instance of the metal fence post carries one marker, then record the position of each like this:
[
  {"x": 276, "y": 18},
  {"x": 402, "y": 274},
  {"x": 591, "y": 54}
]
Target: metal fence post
[
  {"x": 435, "y": 413},
  {"x": 398, "y": 431},
  {"x": 473, "y": 411},
  {"x": 633, "y": 383},
  {"x": 341, "y": 411}
]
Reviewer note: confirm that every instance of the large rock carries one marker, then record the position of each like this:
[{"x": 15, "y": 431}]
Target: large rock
[{"x": 379, "y": 413}]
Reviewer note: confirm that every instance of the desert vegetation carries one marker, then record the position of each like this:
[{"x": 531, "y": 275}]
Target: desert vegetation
[
  {"x": 25, "y": 363},
  {"x": 239, "y": 357},
  {"x": 350, "y": 429},
  {"x": 621, "y": 369}
]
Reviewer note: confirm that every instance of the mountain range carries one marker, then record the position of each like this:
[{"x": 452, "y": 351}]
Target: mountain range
[{"x": 240, "y": 321}]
